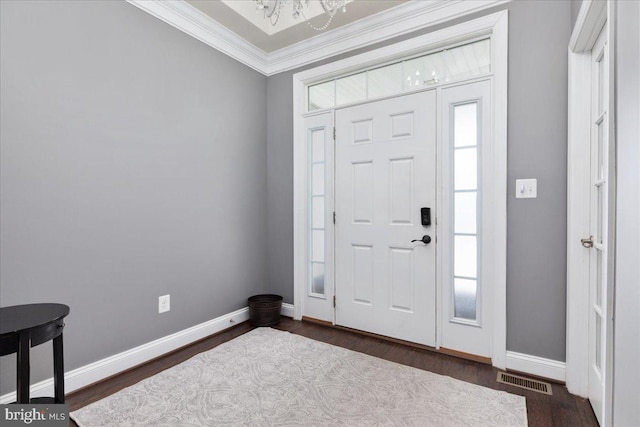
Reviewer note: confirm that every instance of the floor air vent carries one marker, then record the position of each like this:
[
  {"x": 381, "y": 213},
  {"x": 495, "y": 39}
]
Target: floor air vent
[{"x": 525, "y": 383}]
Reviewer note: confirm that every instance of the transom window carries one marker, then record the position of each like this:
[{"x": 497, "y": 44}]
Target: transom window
[{"x": 446, "y": 65}]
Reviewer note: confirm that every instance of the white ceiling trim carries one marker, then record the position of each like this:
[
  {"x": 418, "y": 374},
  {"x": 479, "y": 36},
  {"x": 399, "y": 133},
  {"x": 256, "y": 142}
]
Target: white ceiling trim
[
  {"x": 247, "y": 9},
  {"x": 376, "y": 28},
  {"x": 379, "y": 27},
  {"x": 197, "y": 24}
]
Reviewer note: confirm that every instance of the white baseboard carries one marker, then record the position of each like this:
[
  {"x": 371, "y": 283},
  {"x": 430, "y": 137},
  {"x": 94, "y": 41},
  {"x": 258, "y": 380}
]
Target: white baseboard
[
  {"x": 104, "y": 368},
  {"x": 287, "y": 310},
  {"x": 535, "y": 365}
]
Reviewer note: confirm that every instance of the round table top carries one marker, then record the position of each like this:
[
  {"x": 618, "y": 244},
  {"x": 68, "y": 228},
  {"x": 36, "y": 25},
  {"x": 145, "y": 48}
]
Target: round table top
[{"x": 18, "y": 318}]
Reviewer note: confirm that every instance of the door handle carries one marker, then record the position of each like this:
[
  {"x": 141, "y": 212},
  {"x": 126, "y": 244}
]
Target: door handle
[
  {"x": 587, "y": 243},
  {"x": 425, "y": 239}
]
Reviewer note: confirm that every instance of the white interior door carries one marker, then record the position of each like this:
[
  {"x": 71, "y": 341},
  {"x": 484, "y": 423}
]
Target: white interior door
[
  {"x": 597, "y": 242},
  {"x": 385, "y": 173}
]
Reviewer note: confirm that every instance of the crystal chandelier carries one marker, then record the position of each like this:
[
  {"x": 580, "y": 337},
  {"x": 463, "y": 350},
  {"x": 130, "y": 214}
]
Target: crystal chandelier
[{"x": 273, "y": 8}]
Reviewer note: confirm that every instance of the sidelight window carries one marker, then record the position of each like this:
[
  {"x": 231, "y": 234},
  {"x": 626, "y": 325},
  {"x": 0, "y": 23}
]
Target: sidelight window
[
  {"x": 317, "y": 211},
  {"x": 465, "y": 211}
]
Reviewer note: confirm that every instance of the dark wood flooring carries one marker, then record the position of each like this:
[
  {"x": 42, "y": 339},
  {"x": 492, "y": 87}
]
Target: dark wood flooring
[{"x": 560, "y": 409}]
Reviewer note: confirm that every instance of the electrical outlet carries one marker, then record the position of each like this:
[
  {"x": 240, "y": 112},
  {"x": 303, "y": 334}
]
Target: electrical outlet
[{"x": 164, "y": 303}]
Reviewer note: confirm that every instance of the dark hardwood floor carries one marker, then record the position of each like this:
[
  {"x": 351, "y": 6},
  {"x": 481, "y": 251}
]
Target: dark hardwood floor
[{"x": 560, "y": 409}]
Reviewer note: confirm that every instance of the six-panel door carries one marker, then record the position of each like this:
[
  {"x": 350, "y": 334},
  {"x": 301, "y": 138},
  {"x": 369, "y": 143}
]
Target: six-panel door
[{"x": 385, "y": 173}]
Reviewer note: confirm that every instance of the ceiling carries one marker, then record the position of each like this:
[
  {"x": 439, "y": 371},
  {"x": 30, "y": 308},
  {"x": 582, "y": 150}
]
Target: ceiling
[
  {"x": 241, "y": 17},
  {"x": 270, "y": 52}
]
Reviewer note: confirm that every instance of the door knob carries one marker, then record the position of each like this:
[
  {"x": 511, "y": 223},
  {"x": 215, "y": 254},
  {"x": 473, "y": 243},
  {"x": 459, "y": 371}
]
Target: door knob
[
  {"x": 425, "y": 239},
  {"x": 587, "y": 243}
]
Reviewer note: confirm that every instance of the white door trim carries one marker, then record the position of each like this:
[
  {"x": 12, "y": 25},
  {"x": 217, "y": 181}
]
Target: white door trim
[
  {"x": 468, "y": 336},
  {"x": 591, "y": 20},
  {"x": 497, "y": 26},
  {"x": 578, "y": 197},
  {"x": 318, "y": 306}
]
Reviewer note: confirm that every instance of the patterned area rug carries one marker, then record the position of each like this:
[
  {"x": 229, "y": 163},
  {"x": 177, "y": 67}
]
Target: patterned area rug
[{"x": 273, "y": 378}]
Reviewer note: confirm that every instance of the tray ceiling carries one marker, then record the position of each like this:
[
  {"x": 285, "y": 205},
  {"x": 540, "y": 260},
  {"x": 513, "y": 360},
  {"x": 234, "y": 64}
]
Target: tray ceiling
[
  {"x": 365, "y": 23},
  {"x": 240, "y": 16}
]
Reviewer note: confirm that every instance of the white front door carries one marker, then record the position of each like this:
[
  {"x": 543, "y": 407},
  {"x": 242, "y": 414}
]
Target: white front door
[
  {"x": 385, "y": 172},
  {"x": 597, "y": 242}
]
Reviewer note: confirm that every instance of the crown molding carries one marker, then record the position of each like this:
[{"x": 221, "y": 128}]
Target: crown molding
[
  {"x": 382, "y": 26},
  {"x": 191, "y": 21}
]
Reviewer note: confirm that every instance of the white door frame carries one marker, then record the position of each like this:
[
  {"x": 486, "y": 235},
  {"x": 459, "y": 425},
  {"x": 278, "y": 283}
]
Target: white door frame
[
  {"x": 463, "y": 335},
  {"x": 495, "y": 25},
  {"x": 591, "y": 20}
]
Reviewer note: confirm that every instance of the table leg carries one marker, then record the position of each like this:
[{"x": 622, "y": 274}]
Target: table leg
[
  {"x": 24, "y": 368},
  {"x": 58, "y": 369}
]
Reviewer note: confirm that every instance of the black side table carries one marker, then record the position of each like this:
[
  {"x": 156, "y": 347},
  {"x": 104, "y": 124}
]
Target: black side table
[{"x": 26, "y": 326}]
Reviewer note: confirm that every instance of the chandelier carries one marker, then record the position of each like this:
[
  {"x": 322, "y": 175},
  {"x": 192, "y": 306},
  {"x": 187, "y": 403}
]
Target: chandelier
[{"x": 273, "y": 8}]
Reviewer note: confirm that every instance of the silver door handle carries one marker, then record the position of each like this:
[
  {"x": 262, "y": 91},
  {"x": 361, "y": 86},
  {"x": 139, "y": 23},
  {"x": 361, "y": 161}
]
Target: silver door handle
[{"x": 587, "y": 243}]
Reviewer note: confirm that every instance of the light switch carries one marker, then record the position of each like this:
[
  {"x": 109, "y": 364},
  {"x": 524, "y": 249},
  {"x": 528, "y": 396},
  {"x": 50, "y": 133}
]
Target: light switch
[{"x": 526, "y": 188}]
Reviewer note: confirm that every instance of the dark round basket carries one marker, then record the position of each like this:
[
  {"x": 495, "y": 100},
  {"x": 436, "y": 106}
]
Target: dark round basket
[{"x": 264, "y": 310}]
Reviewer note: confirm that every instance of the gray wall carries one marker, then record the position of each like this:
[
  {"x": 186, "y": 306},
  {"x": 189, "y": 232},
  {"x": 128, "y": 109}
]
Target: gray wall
[
  {"x": 575, "y": 9},
  {"x": 133, "y": 165},
  {"x": 280, "y": 185},
  {"x": 537, "y": 148},
  {"x": 626, "y": 376},
  {"x": 129, "y": 170}
]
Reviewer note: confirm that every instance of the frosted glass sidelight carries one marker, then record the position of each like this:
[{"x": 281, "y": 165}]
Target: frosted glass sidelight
[
  {"x": 385, "y": 81},
  {"x": 317, "y": 179},
  {"x": 317, "y": 252},
  {"x": 317, "y": 212},
  {"x": 317, "y": 145},
  {"x": 465, "y": 256},
  {"x": 322, "y": 95},
  {"x": 351, "y": 88},
  {"x": 465, "y": 212},
  {"x": 317, "y": 280},
  {"x": 465, "y": 169},
  {"x": 465, "y": 118},
  {"x": 465, "y": 298}
]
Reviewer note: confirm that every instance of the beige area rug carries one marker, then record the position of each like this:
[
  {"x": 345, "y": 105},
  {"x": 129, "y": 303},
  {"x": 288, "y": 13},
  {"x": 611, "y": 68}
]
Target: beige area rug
[{"x": 273, "y": 378}]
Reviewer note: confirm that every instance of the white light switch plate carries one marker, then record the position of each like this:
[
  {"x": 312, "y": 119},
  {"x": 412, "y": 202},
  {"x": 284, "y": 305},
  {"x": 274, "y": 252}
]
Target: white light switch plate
[{"x": 526, "y": 188}]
